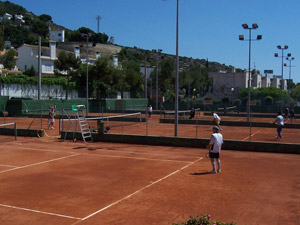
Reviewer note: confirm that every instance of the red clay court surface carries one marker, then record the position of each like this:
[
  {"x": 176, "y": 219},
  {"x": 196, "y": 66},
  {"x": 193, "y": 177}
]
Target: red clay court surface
[
  {"x": 47, "y": 181},
  {"x": 184, "y": 130}
]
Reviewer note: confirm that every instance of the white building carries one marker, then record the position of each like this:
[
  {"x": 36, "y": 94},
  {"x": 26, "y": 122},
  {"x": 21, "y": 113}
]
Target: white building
[
  {"x": 149, "y": 70},
  {"x": 7, "y": 16},
  {"x": 28, "y": 57},
  {"x": 256, "y": 81},
  {"x": 57, "y": 35},
  {"x": 266, "y": 81},
  {"x": 20, "y": 18},
  {"x": 275, "y": 82}
]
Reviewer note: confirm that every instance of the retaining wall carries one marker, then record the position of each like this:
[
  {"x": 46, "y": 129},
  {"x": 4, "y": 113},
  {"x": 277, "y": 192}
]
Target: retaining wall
[
  {"x": 231, "y": 123},
  {"x": 190, "y": 142},
  {"x": 22, "y": 132}
]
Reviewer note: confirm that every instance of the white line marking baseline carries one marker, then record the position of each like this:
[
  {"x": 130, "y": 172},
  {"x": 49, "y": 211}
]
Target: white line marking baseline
[
  {"x": 252, "y": 135},
  {"x": 41, "y": 212},
  {"x": 39, "y": 163},
  {"x": 138, "y": 191}
]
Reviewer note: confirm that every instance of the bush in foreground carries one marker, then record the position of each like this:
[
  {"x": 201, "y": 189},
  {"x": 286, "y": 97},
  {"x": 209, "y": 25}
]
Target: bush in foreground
[{"x": 202, "y": 220}]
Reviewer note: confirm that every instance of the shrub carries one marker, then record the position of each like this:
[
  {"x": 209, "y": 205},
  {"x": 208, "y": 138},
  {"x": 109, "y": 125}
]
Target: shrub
[
  {"x": 225, "y": 100},
  {"x": 237, "y": 102},
  {"x": 202, "y": 220},
  {"x": 269, "y": 100}
]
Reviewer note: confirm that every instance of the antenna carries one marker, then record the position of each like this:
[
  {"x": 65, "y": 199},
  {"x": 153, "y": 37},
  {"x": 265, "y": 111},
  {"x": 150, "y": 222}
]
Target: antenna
[{"x": 98, "y": 18}]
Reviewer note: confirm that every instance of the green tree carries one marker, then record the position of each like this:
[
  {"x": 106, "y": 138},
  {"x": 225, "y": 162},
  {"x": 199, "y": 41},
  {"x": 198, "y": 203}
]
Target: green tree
[
  {"x": 45, "y": 18},
  {"x": 101, "y": 76},
  {"x": 133, "y": 79},
  {"x": 8, "y": 59},
  {"x": 40, "y": 27},
  {"x": 166, "y": 76},
  {"x": 1, "y": 39},
  {"x": 68, "y": 64}
]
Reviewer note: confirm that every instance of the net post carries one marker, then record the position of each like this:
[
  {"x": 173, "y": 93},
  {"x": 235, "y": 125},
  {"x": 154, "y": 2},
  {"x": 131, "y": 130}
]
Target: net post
[
  {"x": 140, "y": 117},
  {"x": 196, "y": 125},
  {"x": 15, "y": 131},
  {"x": 59, "y": 126},
  {"x": 41, "y": 117}
]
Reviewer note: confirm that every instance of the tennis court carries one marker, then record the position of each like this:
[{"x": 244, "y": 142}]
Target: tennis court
[
  {"x": 153, "y": 127},
  {"x": 46, "y": 181}
]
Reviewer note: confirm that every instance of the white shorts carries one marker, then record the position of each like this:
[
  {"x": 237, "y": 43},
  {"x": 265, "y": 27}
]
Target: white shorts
[{"x": 51, "y": 120}]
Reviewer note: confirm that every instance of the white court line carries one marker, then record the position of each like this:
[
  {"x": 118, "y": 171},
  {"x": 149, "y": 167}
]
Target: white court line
[
  {"x": 41, "y": 212},
  {"x": 113, "y": 156},
  {"x": 138, "y": 191},
  {"x": 39, "y": 163},
  {"x": 251, "y": 135},
  {"x": 8, "y": 165}
]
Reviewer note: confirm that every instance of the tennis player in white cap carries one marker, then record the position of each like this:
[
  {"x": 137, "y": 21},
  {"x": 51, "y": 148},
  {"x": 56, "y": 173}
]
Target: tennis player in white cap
[{"x": 214, "y": 147}]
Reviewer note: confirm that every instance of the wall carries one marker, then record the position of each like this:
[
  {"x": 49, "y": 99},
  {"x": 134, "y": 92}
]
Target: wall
[
  {"x": 31, "y": 91},
  {"x": 228, "y": 84}
]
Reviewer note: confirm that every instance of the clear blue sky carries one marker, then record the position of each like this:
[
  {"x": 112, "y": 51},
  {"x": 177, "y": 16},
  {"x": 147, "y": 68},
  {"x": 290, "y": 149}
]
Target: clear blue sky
[{"x": 208, "y": 28}]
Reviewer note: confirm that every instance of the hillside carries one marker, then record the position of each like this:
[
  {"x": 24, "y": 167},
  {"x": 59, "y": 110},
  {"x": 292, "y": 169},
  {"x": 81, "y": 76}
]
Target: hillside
[
  {"x": 19, "y": 32},
  {"x": 27, "y": 27}
]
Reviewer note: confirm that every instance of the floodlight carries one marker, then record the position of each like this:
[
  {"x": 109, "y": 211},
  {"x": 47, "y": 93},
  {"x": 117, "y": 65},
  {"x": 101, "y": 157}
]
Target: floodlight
[
  {"x": 279, "y": 46},
  {"x": 289, "y": 54},
  {"x": 241, "y": 37},
  {"x": 286, "y": 47},
  {"x": 284, "y": 64},
  {"x": 276, "y": 54},
  {"x": 254, "y": 26},
  {"x": 159, "y": 50},
  {"x": 245, "y": 26},
  {"x": 259, "y": 37}
]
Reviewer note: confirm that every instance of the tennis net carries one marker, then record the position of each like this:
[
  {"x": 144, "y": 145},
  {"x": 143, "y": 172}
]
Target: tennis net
[
  {"x": 184, "y": 114},
  {"x": 8, "y": 132},
  {"x": 227, "y": 109},
  {"x": 115, "y": 123}
]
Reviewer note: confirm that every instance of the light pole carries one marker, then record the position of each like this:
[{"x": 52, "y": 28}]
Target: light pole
[
  {"x": 290, "y": 59},
  {"x": 241, "y": 38},
  {"x": 177, "y": 74},
  {"x": 87, "y": 72},
  {"x": 156, "y": 77},
  {"x": 145, "y": 78},
  {"x": 281, "y": 83},
  {"x": 189, "y": 87}
]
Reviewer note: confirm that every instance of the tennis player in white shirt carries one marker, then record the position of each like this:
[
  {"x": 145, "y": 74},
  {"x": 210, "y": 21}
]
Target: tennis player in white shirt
[{"x": 214, "y": 147}]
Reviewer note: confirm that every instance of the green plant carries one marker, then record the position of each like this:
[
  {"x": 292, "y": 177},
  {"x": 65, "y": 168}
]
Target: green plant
[
  {"x": 202, "y": 220},
  {"x": 237, "y": 102}
]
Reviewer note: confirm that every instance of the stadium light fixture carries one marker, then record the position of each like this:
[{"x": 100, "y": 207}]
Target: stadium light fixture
[
  {"x": 282, "y": 81},
  {"x": 241, "y": 38},
  {"x": 290, "y": 59},
  {"x": 156, "y": 77}
]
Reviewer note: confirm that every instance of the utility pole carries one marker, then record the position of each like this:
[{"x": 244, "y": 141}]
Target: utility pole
[
  {"x": 145, "y": 79},
  {"x": 39, "y": 70},
  {"x": 98, "y": 18},
  {"x": 87, "y": 75}
]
